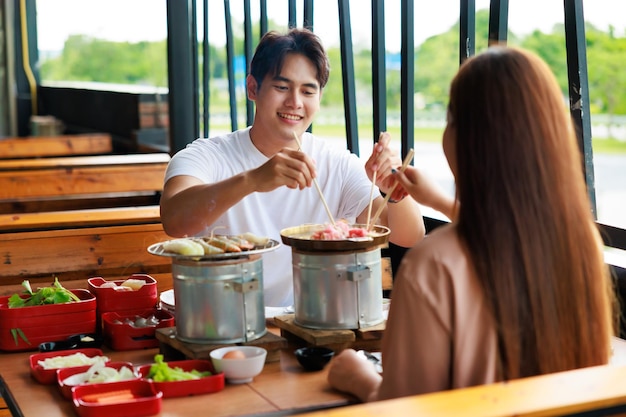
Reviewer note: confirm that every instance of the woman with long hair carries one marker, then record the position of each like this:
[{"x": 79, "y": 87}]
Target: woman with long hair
[{"x": 516, "y": 284}]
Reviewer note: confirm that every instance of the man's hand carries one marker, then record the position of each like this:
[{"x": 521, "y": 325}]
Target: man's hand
[{"x": 291, "y": 168}]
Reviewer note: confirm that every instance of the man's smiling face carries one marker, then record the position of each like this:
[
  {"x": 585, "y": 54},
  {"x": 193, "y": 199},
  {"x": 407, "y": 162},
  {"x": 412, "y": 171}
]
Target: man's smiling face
[{"x": 287, "y": 102}]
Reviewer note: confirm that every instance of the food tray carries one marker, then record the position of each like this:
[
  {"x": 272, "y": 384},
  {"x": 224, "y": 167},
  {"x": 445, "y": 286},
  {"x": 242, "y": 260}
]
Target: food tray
[
  {"x": 299, "y": 238},
  {"x": 49, "y": 376},
  {"x": 64, "y": 373},
  {"x": 208, "y": 384},
  {"x": 133, "y": 398},
  {"x": 46, "y": 322},
  {"x": 126, "y": 337},
  {"x": 109, "y": 299},
  {"x": 157, "y": 249}
]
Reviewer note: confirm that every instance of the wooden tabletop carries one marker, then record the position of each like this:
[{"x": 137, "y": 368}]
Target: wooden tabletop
[{"x": 282, "y": 386}]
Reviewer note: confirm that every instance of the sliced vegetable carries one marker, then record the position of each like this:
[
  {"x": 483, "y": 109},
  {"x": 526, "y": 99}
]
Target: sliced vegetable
[{"x": 160, "y": 371}]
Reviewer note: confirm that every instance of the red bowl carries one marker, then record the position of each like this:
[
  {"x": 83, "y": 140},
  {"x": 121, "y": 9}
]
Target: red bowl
[
  {"x": 110, "y": 299},
  {"x": 49, "y": 376},
  {"x": 122, "y": 336},
  {"x": 46, "y": 322},
  {"x": 134, "y": 398},
  {"x": 205, "y": 385},
  {"x": 64, "y": 373}
]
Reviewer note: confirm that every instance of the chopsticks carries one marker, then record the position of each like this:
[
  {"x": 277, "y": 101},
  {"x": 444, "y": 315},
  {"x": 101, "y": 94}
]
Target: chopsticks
[
  {"x": 369, "y": 207},
  {"x": 405, "y": 163},
  {"x": 317, "y": 186}
]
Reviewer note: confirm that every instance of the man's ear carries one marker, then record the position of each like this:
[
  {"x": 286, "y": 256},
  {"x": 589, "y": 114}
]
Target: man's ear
[{"x": 251, "y": 87}]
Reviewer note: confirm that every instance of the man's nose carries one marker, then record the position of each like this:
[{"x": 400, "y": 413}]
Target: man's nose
[{"x": 294, "y": 99}]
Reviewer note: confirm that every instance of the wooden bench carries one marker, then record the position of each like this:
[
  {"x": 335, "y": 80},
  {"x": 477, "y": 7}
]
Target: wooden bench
[
  {"x": 78, "y": 217},
  {"x": 594, "y": 391},
  {"x": 74, "y": 254},
  {"x": 46, "y": 146},
  {"x": 81, "y": 182}
]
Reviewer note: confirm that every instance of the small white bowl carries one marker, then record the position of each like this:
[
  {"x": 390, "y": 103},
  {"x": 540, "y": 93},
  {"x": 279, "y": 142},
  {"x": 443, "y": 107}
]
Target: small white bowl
[{"x": 239, "y": 371}]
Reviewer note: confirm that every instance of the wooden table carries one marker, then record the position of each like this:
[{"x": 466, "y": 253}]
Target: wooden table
[{"x": 282, "y": 386}]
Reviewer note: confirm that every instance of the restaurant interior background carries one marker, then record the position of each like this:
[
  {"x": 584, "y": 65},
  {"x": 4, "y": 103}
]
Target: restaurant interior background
[{"x": 156, "y": 74}]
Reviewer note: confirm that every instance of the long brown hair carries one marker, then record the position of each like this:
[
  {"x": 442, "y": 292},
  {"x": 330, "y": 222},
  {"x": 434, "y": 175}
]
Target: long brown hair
[{"x": 525, "y": 215}]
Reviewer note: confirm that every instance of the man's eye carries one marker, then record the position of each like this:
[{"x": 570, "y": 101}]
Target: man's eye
[{"x": 281, "y": 87}]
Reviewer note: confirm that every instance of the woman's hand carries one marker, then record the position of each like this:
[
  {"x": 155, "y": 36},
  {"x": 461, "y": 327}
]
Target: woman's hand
[
  {"x": 426, "y": 191},
  {"x": 352, "y": 373}
]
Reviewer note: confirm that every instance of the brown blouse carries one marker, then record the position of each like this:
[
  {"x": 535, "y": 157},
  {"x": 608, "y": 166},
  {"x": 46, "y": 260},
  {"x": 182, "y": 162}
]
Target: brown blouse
[{"x": 439, "y": 334}]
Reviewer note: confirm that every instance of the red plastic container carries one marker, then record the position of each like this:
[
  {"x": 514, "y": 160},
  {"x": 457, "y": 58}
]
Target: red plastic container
[
  {"x": 205, "y": 385},
  {"x": 49, "y": 376},
  {"x": 134, "y": 398},
  {"x": 64, "y": 373},
  {"x": 46, "y": 323},
  {"x": 109, "y": 299},
  {"x": 122, "y": 336}
]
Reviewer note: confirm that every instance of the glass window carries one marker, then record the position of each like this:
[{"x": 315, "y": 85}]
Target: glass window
[{"x": 113, "y": 41}]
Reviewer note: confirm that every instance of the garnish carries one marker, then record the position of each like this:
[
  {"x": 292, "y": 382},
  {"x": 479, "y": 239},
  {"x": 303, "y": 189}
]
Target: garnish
[
  {"x": 160, "y": 371},
  {"x": 56, "y": 294}
]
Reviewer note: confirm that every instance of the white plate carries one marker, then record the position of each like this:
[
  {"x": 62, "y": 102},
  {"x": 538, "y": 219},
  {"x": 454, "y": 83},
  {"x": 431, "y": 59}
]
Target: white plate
[
  {"x": 271, "y": 312},
  {"x": 157, "y": 249},
  {"x": 167, "y": 298}
]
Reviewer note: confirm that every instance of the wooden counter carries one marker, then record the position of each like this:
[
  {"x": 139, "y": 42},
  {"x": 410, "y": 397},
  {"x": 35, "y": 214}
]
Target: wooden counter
[{"x": 282, "y": 386}]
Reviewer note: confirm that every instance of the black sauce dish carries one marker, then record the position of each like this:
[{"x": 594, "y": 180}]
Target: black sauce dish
[
  {"x": 77, "y": 341},
  {"x": 314, "y": 358}
]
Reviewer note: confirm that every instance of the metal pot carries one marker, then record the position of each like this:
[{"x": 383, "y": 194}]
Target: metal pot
[
  {"x": 219, "y": 301},
  {"x": 338, "y": 283}
]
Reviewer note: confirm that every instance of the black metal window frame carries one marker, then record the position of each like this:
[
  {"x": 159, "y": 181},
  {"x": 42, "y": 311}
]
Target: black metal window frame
[{"x": 186, "y": 86}]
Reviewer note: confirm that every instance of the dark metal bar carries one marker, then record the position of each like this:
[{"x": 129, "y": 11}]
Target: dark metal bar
[
  {"x": 576, "y": 48},
  {"x": 407, "y": 83},
  {"x": 308, "y": 14},
  {"x": 498, "y": 21},
  {"x": 467, "y": 30},
  {"x": 247, "y": 42},
  {"x": 347, "y": 73},
  {"x": 206, "y": 69},
  {"x": 263, "y": 17},
  {"x": 182, "y": 87},
  {"x": 230, "y": 64},
  {"x": 379, "y": 69},
  {"x": 195, "y": 69},
  {"x": 292, "y": 14}
]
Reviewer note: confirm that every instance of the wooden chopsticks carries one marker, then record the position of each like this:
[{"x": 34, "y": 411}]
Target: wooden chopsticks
[
  {"x": 407, "y": 160},
  {"x": 317, "y": 186}
]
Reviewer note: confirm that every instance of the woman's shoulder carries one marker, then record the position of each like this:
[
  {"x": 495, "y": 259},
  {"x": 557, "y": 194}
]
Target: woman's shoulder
[{"x": 441, "y": 251}]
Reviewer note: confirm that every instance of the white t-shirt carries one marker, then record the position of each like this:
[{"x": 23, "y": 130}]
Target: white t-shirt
[{"x": 340, "y": 175}]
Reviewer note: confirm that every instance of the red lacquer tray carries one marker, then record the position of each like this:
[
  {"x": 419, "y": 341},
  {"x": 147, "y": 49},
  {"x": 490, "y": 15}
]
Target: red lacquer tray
[
  {"x": 45, "y": 323},
  {"x": 134, "y": 398},
  {"x": 49, "y": 376},
  {"x": 204, "y": 385},
  {"x": 122, "y": 336},
  {"x": 64, "y": 373}
]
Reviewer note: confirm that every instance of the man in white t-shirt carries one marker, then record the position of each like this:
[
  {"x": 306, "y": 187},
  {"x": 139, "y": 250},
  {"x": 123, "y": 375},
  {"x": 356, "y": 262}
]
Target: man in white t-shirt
[{"x": 258, "y": 180}]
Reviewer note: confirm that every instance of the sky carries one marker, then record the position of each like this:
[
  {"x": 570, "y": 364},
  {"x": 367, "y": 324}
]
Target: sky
[{"x": 137, "y": 20}]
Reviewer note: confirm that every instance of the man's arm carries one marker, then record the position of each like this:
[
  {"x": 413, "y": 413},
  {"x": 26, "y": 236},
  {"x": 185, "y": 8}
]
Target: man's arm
[{"x": 188, "y": 205}]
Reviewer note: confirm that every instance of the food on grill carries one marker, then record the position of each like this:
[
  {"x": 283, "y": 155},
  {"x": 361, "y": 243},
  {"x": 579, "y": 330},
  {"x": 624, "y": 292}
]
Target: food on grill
[
  {"x": 339, "y": 231},
  {"x": 212, "y": 245},
  {"x": 183, "y": 246}
]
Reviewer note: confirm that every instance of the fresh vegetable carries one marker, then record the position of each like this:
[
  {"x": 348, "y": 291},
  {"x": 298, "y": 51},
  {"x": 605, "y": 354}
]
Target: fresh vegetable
[
  {"x": 56, "y": 294},
  {"x": 67, "y": 361},
  {"x": 160, "y": 371},
  {"x": 18, "y": 332},
  {"x": 183, "y": 246}
]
